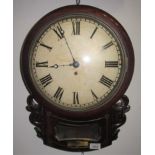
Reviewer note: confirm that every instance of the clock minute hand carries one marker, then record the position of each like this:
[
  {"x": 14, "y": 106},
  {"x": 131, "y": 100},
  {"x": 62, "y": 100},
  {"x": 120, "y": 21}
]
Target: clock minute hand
[
  {"x": 69, "y": 49},
  {"x": 62, "y": 32},
  {"x": 75, "y": 64}
]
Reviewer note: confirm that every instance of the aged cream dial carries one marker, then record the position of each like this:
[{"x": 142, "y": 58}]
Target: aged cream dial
[{"x": 76, "y": 63}]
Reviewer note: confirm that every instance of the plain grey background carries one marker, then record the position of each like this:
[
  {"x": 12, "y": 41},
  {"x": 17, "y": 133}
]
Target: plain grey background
[{"x": 26, "y": 14}]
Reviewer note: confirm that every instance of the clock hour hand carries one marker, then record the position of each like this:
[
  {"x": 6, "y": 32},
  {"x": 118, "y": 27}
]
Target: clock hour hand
[
  {"x": 56, "y": 66},
  {"x": 75, "y": 64}
]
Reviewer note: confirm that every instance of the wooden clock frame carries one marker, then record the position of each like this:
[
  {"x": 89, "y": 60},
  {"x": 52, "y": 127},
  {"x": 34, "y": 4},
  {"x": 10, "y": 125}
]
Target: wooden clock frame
[{"x": 103, "y": 17}]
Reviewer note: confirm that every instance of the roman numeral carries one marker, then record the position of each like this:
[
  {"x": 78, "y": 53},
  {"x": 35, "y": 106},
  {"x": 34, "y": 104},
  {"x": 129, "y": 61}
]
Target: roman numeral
[
  {"x": 58, "y": 94},
  {"x": 111, "y": 63},
  {"x": 76, "y": 27},
  {"x": 93, "y": 33},
  {"x": 42, "y": 64},
  {"x": 75, "y": 98},
  {"x": 94, "y": 95},
  {"x": 106, "y": 81},
  {"x": 48, "y": 47},
  {"x": 59, "y": 31},
  {"x": 108, "y": 45},
  {"x": 46, "y": 80}
]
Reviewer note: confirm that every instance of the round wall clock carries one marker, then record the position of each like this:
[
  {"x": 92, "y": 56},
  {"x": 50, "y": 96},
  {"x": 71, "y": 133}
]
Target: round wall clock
[{"x": 77, "y": 62}]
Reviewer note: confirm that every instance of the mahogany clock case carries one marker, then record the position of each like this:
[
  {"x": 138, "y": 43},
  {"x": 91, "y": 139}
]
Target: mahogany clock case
[{"x": 93, "y": 12}]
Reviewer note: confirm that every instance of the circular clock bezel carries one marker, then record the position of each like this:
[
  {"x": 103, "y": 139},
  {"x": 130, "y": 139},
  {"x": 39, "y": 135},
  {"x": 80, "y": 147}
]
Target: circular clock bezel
[{"x": 92, "y": 12}]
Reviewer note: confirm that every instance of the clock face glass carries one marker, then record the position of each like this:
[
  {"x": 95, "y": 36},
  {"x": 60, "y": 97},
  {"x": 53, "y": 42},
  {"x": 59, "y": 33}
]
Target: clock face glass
[{"x": 77, "y": 63}]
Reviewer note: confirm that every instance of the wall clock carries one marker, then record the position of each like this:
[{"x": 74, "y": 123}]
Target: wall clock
[{"x": 77, "y": 62}]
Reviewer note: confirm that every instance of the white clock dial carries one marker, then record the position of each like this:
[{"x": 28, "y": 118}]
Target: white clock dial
[{"x": 76, "y": 63}]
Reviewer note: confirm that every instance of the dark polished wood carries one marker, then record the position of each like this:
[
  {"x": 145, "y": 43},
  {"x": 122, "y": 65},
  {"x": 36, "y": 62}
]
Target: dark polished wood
[
  {"x": 77, "y": 136},
  {"x": 50, "y": 18}
]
